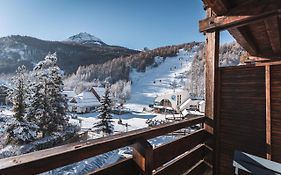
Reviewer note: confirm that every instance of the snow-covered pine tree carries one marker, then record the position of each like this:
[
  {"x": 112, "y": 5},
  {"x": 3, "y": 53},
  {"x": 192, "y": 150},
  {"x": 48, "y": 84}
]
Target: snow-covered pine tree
[
  {"x": 18, "y": 94},
  {"x": 39, "y": 107},
  {"x": 104, "y": 123},
  {"x": 57, "y": 101},
  {"x": 19, "y": 129},
  {"x": 48, "y": 104}
]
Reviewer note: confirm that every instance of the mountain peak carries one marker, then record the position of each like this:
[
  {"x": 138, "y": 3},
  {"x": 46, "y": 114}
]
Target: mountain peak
[{"x": 85, "y": 38}]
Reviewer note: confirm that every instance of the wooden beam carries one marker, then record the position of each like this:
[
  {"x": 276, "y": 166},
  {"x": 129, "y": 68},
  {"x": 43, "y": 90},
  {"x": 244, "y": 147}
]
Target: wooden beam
[
  {"x": 214, "y": 23},
  {"x": 219, "y": 6},
  {"x": 268, "y": 63},
  {"x": 245, "y": 39},
  {"x": 268, "y": 110},
  {"x": 273, "y": 32}
]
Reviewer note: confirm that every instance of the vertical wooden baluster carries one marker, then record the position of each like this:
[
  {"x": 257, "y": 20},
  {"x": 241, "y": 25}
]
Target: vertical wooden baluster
[
  {"x": 268, "y": 111},
  {"x": 143, "y": 156}
]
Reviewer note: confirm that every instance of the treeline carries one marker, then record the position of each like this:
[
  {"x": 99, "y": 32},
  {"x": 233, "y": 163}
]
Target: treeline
[{"x": 119, "y": 68}]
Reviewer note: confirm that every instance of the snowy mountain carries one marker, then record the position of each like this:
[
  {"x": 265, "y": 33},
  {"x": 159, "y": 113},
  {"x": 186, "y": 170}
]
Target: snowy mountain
[
  {"x": 19, "y": 50},
  {"x": 84, "y": 38}
]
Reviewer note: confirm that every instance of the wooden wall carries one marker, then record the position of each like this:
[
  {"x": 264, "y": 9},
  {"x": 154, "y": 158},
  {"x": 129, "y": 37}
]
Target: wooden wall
[
  {"x": 241, "y": 113},
  {"x": 275, "y": 112}
]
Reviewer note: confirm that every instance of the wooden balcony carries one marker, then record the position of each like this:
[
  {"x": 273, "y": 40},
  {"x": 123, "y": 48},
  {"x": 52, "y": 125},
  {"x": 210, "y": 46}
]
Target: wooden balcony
[{"x": 186, "y": 155}]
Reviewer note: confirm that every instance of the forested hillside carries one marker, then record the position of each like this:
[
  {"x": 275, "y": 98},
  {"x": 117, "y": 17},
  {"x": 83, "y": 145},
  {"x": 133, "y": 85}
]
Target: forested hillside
[
  {"x": 119, "y": 69},
  {"x": 229, "y": 56},
  {"x": 19, "y": 50}
]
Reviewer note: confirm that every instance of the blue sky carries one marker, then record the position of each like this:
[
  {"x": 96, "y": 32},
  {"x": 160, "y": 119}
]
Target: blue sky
[{"x": 130, "y": 23}]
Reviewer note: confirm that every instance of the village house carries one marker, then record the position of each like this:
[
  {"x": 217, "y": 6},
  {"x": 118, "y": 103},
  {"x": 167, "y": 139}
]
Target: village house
[
  {"x": 86, "y": 101},
  {"x": 69, "y": 94},
  {"x": 177, "y": 102},
  {"x": 170, "y": 101}
]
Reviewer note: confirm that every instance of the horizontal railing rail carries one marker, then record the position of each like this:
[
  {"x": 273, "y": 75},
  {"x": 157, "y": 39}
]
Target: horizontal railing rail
[{"x": 145, "y": 159}]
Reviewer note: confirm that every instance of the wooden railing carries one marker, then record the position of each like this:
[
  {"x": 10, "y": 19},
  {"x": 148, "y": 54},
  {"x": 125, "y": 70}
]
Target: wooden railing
[{"x": 184, "y": 155}]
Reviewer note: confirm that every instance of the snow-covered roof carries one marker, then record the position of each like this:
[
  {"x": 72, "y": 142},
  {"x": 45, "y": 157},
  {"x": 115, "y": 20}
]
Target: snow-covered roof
[
  {"x": 100, "y": 91},
  {"x": 86, "y": 99},
  {"x": 69, "y": 94},
  {"x": 87, "y": 96}
]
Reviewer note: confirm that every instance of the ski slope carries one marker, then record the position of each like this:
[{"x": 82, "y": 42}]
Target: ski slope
[{"x": 146, "y": 86}]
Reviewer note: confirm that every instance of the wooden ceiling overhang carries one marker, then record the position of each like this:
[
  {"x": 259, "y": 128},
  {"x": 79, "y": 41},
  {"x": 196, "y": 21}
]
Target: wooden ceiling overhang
[{"x": 255, "y": 24}]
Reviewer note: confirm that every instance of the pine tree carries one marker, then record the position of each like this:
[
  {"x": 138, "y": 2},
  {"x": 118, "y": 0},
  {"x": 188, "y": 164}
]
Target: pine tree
[
  {"x": 18, "y": 95},
  {"x": 48, "y": 104},
  {"x": 20, "y": 130},
  {"x": 57, "y": 101},
  {"x": 104, "y": 123},
  {"x": 39, "y": 107}
]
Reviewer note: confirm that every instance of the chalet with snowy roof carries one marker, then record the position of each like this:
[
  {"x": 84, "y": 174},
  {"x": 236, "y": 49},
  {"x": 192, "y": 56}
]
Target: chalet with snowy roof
[
  {"x": 171, "y": 101},
  {"x": 69, "y": 94},
  {"x": 86, "y": 101}
]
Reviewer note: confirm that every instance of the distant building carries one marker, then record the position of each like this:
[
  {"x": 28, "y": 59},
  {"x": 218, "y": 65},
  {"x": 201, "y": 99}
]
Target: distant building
[
  {"x": 86, "y": 101},
  {"x": 171, "y": 101},
  {"x": 178, "y": 102}
]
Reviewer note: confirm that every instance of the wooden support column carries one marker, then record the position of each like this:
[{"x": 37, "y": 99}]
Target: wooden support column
[
  {"x": 143, "y": 156},
  {"x": 212, "y": 61},
  {"x": 268, "y": 111},
  {"x": 211, "y": 84}
]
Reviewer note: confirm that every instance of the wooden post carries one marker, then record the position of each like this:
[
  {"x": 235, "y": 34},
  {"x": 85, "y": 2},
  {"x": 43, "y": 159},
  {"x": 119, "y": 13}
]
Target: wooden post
[
  {"x": 268, "y": 111},
  {"x": 143, "y": 156},
  {"x": 212, "y": 61},
  {"x": 211, "y": 84}
]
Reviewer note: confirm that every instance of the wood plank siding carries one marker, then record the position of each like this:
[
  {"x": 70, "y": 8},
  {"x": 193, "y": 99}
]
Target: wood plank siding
[
  {"x": 242, "y": 114},
  {"x": 275, "y": 112},
  {"x": 247, "y": 104}
]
